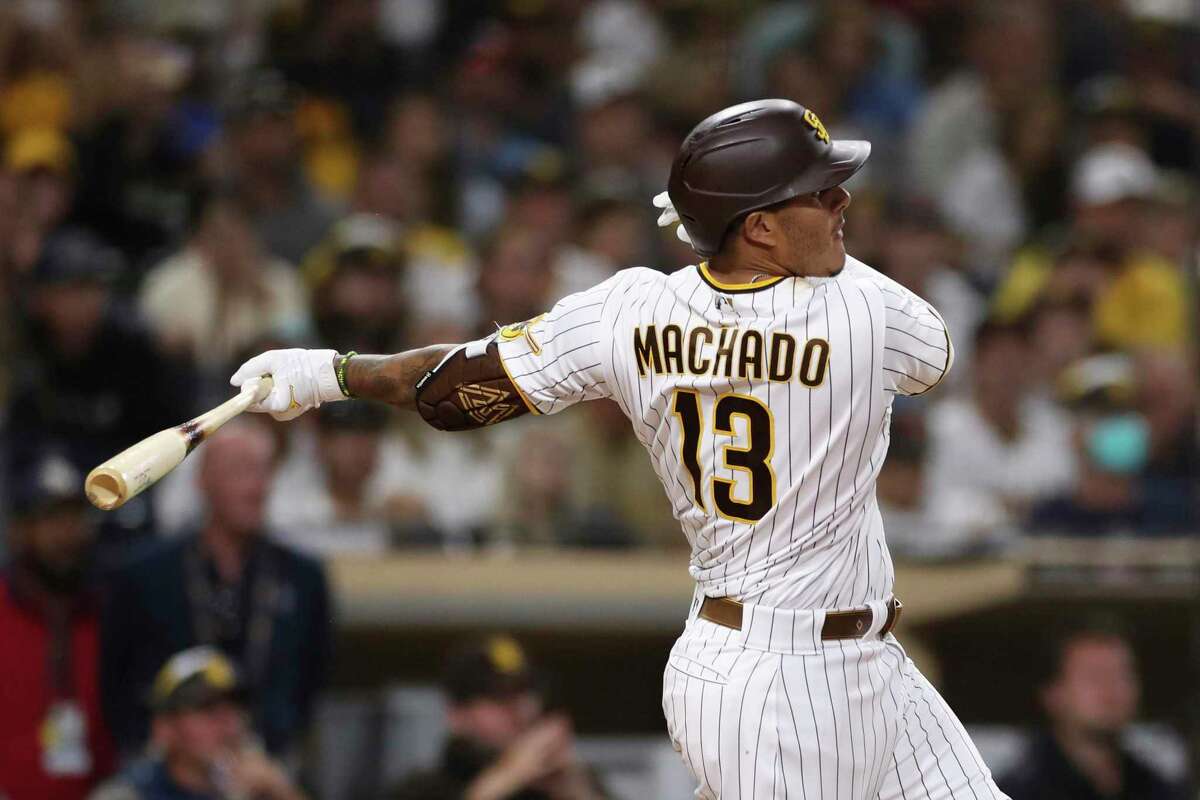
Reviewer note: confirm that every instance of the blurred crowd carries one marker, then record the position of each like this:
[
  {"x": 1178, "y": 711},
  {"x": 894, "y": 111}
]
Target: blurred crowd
[{"x": 186, "y": 182}]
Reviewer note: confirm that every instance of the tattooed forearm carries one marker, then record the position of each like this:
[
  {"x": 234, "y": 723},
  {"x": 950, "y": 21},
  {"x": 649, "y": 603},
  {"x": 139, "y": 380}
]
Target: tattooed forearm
[{"x": 393, "y": 379}]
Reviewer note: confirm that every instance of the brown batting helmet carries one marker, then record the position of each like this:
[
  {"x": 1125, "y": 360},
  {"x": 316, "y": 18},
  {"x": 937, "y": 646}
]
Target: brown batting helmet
[{"x": 750, "y": 156}]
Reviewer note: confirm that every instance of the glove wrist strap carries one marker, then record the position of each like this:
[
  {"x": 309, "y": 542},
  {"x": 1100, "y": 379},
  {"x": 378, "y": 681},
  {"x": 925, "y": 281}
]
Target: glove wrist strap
[{"x": 322, "y": 366}]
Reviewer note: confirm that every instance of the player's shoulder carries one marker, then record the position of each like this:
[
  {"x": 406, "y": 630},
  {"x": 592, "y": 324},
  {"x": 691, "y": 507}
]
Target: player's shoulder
[
  {"x": 856, "y": 271},
  {"x": 632, "y": 276},
  {"x": 873, "y": 282}
]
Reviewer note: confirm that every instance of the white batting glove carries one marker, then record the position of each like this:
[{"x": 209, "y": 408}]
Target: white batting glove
[
  {"x": 303, "y": 379},
  {"x": 670, "y": 216}
]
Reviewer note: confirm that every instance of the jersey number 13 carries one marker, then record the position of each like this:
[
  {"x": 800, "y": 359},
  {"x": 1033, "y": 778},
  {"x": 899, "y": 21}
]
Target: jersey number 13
[{"x": 754, "y": 459}]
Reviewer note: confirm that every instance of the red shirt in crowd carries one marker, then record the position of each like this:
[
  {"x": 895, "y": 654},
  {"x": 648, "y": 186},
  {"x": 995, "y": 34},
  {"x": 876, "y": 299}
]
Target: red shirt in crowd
[{"x": 53, "y": 744}]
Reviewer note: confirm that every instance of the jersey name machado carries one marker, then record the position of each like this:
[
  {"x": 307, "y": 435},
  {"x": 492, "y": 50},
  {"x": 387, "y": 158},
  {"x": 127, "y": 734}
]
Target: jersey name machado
[
  {"x": 764, "y": 409},
  {"x": 729, "y": 352}
]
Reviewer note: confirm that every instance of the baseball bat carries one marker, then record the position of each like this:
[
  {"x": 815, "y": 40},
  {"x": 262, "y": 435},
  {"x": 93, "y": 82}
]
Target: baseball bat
[{"x": 132, "y": 471}]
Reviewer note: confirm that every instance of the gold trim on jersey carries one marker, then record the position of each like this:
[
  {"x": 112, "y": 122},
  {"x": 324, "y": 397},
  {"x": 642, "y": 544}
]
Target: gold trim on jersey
[
  {"x": 735, "y": 287},
  {"x": 522, "y": 329},
  {"x": 524, "y": 399}
]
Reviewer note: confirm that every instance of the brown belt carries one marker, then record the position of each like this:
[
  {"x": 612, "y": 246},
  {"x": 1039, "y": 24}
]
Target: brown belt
[{"x": 838, "y": 624}]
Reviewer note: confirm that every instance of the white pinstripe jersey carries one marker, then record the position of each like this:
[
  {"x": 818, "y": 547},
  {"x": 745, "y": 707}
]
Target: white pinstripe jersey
[{"x": 764, "y": 407}]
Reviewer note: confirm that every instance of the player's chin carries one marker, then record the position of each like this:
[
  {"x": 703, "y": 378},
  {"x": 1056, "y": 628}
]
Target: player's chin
[{"x": 837, "y": 252}]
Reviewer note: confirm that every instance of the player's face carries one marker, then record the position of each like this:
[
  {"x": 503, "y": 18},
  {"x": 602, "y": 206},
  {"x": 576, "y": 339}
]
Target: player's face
[{"x": 812, "y": 241}]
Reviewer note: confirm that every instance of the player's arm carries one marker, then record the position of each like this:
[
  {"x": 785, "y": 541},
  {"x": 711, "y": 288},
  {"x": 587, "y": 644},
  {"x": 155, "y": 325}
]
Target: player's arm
[
  {"x": 542, "y": 366},
  {"x": 391, "y": 379},
  {"x": 917, "y": 350},
  {"x": 466, "y": 387},
  {"x": 454, "y": 387}
]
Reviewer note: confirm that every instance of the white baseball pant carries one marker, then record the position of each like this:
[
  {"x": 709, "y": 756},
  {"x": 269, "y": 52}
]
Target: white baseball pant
[{"x": 772, "y": 711}]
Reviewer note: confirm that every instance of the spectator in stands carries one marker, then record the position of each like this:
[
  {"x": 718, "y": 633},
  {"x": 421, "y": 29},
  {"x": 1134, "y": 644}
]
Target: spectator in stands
[
  {"x": 1172, "y": 225},
  {"x": 503, "y": 742},
  {"x": 901, "y": 490},
  {"x": 493, "y": 148},
  {"x": 356, "y": 277},
  {"x": 611, "y": 234},
  {"x": 1166, "y": 397},
  {"x": 540, "y": 508},
  {"x": 37, "y": 61},
  {"x": 514, "y": 279},
  {"x": 91, "y": 380},
  {"x": 1063, "y": 331},
  {"x": 871, "y": 54},
  {"x": 1009, "y": 49},
  {"x": 1090, "y": 696},
  {"x": 202, "y": 746},
  {"x": 1142, "y": 300},
  {"x": 42, "y": 161},
  {"x": 37, "y": 188},
  {"x": 221, "y": 291},
  {"x": 852, "y": 61},
  {"x": 613, "y": 485},
  {"x": 138, "y": 163},
  {"x": 418, "y": 132},
  {"x": 345, "y": 56},
  {"x": 614, "y": 138},
  {"x": 227, "y": 586},
  {"x": 440, "y": 268},
  {"x": 263, "y": 151},
  {"x": 357, "y": 495},
  {"x": 1005, "y": 190},
  {"x": 53, "y": 741},
  {"x": 1114, "y": 492},
  {"x": 996, "y": 452},
  {"x": 555, "y": 496}
]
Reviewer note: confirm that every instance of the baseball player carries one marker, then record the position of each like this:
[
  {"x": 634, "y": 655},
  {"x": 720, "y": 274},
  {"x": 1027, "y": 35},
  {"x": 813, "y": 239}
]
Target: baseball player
[{"x": 760, "y": 382}]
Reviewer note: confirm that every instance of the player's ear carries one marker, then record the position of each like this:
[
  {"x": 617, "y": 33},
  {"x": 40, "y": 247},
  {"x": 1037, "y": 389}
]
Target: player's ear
[{"x": 761, "y": 228}]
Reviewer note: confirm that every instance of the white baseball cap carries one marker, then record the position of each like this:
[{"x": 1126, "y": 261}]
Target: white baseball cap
[{"x": 1111, "y": 172}]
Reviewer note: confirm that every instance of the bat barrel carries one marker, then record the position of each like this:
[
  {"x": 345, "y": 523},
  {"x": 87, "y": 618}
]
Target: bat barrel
[{"x": 139, "y": 467}]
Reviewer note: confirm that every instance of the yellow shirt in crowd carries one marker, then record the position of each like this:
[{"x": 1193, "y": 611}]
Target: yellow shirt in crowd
[{"x": 1145, "y": 305}]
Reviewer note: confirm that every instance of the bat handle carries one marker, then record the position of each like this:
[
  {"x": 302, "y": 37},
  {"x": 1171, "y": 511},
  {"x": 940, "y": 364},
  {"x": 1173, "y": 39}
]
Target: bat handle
[{"x": 257, "y": 389}]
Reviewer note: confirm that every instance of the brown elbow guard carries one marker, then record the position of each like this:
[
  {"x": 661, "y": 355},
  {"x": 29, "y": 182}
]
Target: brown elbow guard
[{"x": 463, "y": 393}]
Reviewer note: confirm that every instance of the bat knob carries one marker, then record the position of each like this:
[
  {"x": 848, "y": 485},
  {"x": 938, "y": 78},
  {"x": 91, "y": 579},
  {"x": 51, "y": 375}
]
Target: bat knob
[
  {"x": 259, "y": 388},
  {"x": 105, "y": 489}
]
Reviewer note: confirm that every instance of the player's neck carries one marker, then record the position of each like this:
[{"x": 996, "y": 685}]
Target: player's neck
[
  {"x": 735, "y": 269},
  {"x": 744, "y": 265}
]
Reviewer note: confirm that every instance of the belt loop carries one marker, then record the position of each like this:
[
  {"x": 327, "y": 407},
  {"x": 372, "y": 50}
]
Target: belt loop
[
  {"x": 697, "y": 599},
  {"x": 879, "y": 615},
  {"x": 818, "y": 624}
]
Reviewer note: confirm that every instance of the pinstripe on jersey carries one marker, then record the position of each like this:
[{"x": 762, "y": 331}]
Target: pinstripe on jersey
[
  {"x": 765, "y": 409},
  {"x": 820, "y": 542}
]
